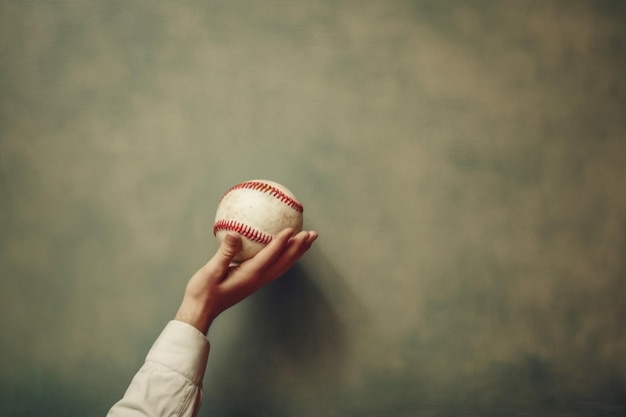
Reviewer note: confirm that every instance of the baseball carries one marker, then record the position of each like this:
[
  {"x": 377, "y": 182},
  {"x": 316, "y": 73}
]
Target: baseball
[{"x": 257, "y": 210}]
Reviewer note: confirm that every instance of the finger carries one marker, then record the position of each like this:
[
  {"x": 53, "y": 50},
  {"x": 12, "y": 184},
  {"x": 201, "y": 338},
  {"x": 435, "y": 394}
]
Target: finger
[
  {"x": 250, "y": 274},
  {"x": 230, "y": 246},
  {"x": 271, "y": 262},
  {"x": 268, "y": 255},
  {"x": 296, "y": 248}
]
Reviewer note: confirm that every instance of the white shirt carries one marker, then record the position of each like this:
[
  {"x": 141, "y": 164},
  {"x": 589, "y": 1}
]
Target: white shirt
[{"x": 170, "y": 381}]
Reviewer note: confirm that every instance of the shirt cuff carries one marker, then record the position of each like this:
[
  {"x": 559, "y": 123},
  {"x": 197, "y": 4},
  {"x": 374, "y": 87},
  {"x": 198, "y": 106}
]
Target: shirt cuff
[{"x": 182, "y": 348}]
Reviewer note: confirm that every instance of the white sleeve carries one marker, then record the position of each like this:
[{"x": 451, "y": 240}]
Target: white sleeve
[{"x": 170, "y": 381}]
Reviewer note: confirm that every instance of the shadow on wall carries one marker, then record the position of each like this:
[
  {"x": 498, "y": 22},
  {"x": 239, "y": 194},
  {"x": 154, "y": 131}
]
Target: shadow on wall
[{"x": 293, "y": 346}]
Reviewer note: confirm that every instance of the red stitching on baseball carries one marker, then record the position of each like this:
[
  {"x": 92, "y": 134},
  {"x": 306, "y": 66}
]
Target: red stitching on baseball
[
  {"x": 244, "y": 230},
  {"x": 268, "y": 189}
]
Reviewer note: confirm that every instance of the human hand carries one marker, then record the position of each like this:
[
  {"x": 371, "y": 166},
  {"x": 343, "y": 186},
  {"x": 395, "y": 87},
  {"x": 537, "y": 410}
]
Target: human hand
[{"x": 220, "y": 284}]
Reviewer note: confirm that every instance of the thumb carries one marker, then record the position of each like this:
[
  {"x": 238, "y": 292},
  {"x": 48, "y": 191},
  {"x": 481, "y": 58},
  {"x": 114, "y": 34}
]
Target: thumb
[{"x": 230, "y": 246}]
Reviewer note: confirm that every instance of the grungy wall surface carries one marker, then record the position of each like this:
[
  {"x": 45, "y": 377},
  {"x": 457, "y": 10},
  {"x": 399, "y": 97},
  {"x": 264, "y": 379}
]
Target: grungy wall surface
[{"x": 464, "y": 163}]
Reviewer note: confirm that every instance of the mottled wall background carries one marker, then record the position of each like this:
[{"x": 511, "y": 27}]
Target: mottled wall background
[{"x": 464, "y": 163}]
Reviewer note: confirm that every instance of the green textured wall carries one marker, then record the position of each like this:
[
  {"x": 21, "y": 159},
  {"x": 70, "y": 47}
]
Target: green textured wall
[{"x": 464, "y": 163}]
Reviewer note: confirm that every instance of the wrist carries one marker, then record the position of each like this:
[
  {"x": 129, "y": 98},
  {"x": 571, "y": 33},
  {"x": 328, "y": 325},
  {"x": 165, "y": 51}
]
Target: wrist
[{"x": 196, "y": 313}]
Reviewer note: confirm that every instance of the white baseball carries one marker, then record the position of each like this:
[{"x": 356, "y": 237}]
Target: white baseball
[{"x": 257, "y": 210}]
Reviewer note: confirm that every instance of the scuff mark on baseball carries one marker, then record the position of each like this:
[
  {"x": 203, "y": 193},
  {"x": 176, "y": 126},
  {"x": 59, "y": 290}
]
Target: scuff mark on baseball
[{"x": 257, "y": 210}]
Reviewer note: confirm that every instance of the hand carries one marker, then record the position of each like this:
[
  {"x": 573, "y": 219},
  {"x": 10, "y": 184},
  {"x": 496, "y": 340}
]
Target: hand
[{"x": 220, "y": 284}]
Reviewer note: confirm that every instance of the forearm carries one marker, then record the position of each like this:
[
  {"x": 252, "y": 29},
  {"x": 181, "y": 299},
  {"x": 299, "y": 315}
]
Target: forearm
[{"x": 170, "y": 381}]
